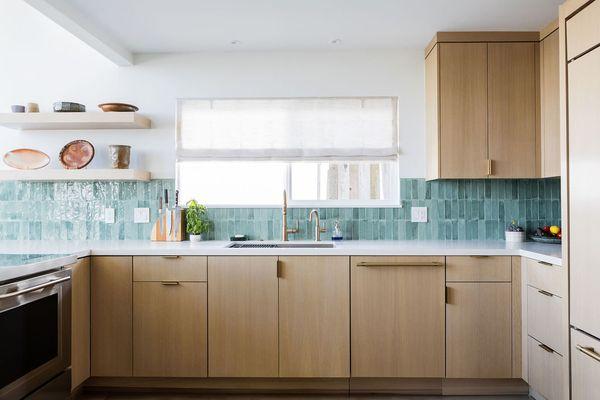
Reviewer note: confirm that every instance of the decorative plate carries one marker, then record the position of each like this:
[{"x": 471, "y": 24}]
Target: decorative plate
[
  {"x": 26, "y": 159},
  {"x": 543, "y": 239},
  {"x": 118, "y": 107},
  {"x": 76, "y": 154}
]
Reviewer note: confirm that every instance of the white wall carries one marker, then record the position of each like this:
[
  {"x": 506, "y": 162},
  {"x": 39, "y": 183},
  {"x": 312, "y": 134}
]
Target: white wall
[{"x": 42, "y": 63}]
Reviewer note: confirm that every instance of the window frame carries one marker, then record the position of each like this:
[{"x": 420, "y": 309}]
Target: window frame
[{"x": 287, "y": 184}]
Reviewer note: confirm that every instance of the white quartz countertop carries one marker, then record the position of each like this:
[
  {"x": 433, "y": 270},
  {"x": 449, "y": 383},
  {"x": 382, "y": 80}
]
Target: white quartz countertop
[{"x": 542, "y": 252}]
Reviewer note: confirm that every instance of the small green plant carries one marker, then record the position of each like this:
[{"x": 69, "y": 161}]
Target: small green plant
[{"x": 197, "y": 222}]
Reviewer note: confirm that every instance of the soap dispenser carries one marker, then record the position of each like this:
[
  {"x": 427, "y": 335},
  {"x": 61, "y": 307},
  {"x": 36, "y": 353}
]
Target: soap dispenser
[{"x": 337, "y": 232}]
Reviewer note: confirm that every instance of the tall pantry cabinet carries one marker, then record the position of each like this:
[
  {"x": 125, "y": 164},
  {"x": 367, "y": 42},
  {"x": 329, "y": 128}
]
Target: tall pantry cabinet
[{"x": 580, "y": 103}]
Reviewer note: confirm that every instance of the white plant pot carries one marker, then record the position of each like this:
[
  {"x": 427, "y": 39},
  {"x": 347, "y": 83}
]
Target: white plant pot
[
  {"x": 197, "y": 238},
  {"x": 515, "y": 237}
]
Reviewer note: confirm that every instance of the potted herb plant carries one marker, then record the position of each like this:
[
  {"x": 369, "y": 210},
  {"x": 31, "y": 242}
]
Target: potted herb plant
[{"x": 197, "y": 223}]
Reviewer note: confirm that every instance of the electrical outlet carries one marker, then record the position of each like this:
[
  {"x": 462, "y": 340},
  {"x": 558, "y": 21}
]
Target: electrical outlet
[
  {"x": 141, "y": 215},
  {"x": 109, "y": 215},
  {"x": 418, "y": 214}
]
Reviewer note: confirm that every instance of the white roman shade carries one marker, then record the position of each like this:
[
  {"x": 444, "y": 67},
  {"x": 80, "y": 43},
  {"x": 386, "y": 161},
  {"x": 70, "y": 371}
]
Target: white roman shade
[{"x": 287, "y": 129}]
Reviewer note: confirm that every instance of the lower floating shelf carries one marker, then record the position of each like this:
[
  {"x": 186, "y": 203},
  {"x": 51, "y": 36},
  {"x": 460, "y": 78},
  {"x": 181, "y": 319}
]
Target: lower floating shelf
[{"x": 75, "y": 175}]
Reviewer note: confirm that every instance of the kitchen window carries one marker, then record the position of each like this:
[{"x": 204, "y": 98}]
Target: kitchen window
[{"x": 324, "y": 151}]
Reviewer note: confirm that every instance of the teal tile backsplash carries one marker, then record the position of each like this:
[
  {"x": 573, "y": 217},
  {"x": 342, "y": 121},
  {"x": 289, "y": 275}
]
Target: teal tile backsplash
[{"x": 457, "y": 210}]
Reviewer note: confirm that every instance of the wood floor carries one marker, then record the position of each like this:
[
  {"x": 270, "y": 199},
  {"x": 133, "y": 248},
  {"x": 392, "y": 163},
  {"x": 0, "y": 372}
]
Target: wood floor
[{"x": 114, "y": 396}]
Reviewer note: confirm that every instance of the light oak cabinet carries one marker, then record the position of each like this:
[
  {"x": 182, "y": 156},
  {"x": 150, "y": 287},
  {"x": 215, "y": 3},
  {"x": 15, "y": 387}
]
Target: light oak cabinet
[
  {"x": 481, "y": 106},
  {"x": 397, "y": 316},
  {"x": 550, "y": 107},
  {"x": 169, "y": 316},
  {"x": 314, "y": 317},
  {"x": 479, "y": 320},
  {"x": 111, "y": 316},
  {"x": 243, "y": 336},
  {"x": 80, "y": 322},
  {"x": 584, "y": 194},
  {"x": 169, "y": 329},
  {"x": 585, "y": 366}
]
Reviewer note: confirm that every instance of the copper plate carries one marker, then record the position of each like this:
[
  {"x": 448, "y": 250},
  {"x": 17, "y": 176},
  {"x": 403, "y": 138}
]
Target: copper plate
[
  {"x": 26, "y": 159},
  {"x": 117, "y": 107},
  {"x": 76, "y": 154}
]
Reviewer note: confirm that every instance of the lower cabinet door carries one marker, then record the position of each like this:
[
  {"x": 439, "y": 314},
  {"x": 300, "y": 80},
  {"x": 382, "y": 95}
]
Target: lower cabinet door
[
  {"x": 169, "y": 329},
  {"x": 478, "y": 330},
  {"x": 314, "y": 317},
  {"x": 545, "y": 370},
  {"x": 242, "y": 317},
  {"x": 398, "y": 316},
  {"x": 585, "y": 367}
]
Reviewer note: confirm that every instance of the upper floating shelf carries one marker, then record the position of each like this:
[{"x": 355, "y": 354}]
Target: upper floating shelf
[{"x": 74, "y": 121}]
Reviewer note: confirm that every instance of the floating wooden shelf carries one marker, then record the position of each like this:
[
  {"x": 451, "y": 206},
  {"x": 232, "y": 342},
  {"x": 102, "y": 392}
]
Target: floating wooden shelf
[
  {"x": 75, "y": 175},
  {"x": 74, "y": 120}
]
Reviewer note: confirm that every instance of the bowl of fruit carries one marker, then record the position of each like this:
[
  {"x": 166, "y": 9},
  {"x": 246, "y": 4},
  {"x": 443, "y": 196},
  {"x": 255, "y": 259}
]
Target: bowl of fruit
[{"x": 547, "y": 234}]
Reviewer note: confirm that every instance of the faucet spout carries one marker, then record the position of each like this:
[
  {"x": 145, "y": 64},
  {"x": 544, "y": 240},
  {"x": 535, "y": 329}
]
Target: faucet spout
[{"x": 318, "y": 229}]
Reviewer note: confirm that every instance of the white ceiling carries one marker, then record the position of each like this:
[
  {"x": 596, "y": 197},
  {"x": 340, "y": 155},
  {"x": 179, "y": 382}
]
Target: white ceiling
[{"x": 143, "y": 26}]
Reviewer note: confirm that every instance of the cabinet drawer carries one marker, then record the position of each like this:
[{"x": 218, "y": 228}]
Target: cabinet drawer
[
  {"x": 169, "y": 268},
  {"x": 545, "y": 370},
  {"x": 544, "y": 318},
  {"x": 545, "y": 276},
  {"x": 478, "y": 269},
  {"x": 585, "y": 366},
  {"x": 583, "y": 30}
]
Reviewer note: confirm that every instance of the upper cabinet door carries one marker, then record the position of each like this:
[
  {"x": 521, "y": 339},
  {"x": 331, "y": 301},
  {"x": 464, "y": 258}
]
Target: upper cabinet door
[
  {"x": 512, "y": 109},
  {"x": 584, "y": 192},
  {"x": 314, "y": 315},
  {"x": 463, "y": 110},
  {"x": 550, "y": 109}
]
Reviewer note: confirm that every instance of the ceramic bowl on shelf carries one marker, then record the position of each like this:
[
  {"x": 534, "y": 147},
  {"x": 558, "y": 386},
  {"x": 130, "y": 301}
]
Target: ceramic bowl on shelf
[
  {"x": 16, "y": 108},
  {"x": 26, "y": 159},
  {"x": 76, "y": 154},
  {"x": 118, "y": 107},
  {"x": 65, "y": 106}
]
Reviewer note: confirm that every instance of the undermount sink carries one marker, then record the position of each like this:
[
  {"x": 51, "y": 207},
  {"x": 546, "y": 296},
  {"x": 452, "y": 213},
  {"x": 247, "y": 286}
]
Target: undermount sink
[{"x": 287, "y": 245}]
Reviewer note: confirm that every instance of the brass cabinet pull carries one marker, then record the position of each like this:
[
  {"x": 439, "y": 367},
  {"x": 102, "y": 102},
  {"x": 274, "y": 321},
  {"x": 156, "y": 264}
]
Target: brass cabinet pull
[
  {"x": 489, "y": 168},
  {"x": 446, "y": 296},
  {"x": 170, "y": 257},
  {"x": 546, "y": 348},
  {"x": 545, "y": 263},
  {"x": 479, "y": 256},
  {"x": 374, "y": 264},
  {"x": 279, "y": 275},
  {"x": 545, "y": 293},
  {"x": 589, "y": 351},
  {"x": 169, "y": 283}
]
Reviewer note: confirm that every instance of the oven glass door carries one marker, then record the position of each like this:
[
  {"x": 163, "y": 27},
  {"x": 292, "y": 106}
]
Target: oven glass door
[
  {"x": 34, "y": 328},
  {"x": 28, "y": 337}
]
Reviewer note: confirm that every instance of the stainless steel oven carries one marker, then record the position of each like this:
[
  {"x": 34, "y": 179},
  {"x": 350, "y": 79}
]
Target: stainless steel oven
[{"x": 35, "y": 326}]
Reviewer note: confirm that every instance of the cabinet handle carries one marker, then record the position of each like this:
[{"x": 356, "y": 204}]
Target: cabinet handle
[
  {"x": 373, "y": 264},
  {"x": 279, "y": 274},
  {"x": 545, "y": 263},
  {"x": 169, "y": 283},
  {"x": 489, "y": 168},
  {"x": 546, "y": 348},
  {"x": 589, "y": 351},
  {"x": 479, "y": 256},
  {"x": 170, "y": 257},
  {"x": 545, "y": 293},
  {"x": 446, "y": 295}
]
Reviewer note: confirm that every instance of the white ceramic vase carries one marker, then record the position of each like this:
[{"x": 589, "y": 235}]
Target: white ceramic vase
[{"x": 197, "y": 238}]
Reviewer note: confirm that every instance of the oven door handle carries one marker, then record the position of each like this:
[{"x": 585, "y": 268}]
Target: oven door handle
[{"x": 34, "y": 288}]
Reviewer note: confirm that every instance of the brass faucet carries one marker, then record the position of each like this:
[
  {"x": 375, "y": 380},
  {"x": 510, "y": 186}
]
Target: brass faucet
[
  {"x": 285, "y": 230},
  {"x": 318, "y": 229}
]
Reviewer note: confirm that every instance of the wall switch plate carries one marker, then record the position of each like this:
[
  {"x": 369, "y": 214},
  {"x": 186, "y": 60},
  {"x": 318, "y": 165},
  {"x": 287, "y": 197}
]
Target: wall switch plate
[
  {"x": 141, "y": 215},
  {"x": 418, "y": 214},
  {"x": 109, "y": 215}
]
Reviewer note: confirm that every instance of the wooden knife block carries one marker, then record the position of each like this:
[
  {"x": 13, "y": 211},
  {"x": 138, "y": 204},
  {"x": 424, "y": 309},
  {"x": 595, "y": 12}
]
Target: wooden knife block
[{"x": 159, "y": 230}]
